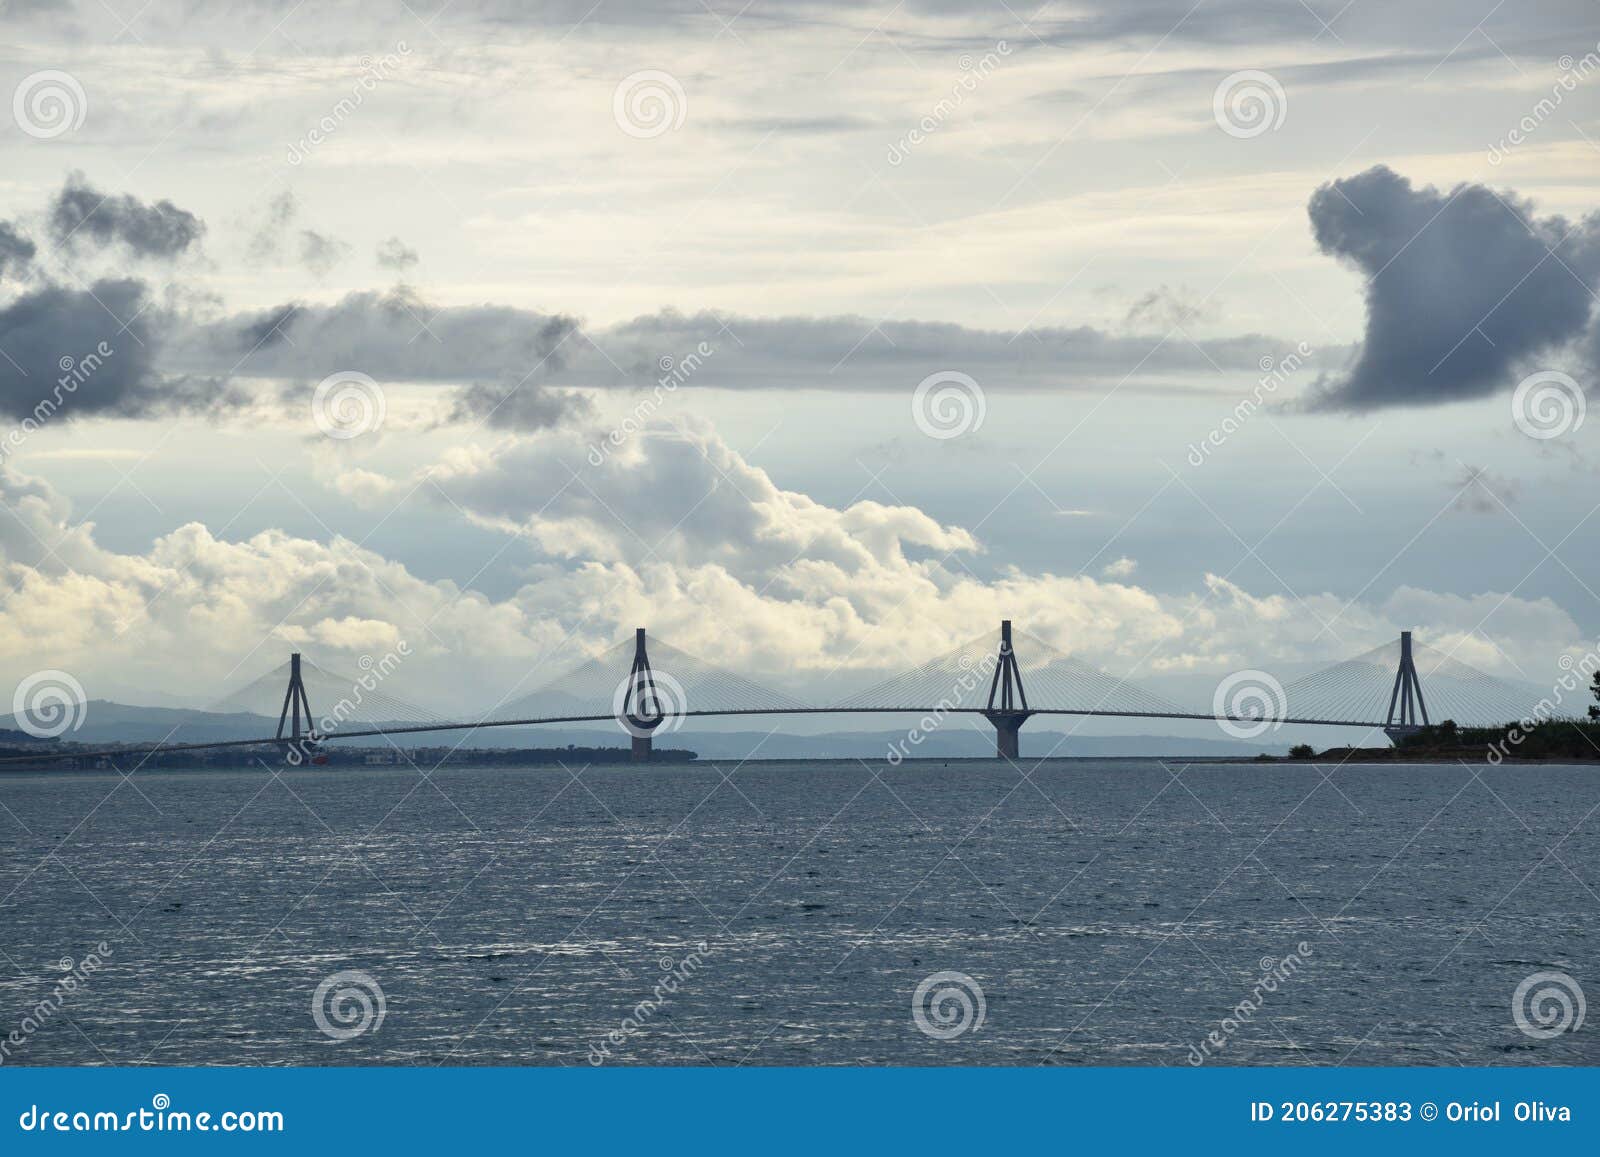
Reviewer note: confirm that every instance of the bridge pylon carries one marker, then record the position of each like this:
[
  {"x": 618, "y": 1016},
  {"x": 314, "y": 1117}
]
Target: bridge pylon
[
  {"x": 1008, "y": 701},
  {"x": 642, "y": 712},
  {"x": 301, "y": 743},
  {"x": 1405, "y": 701}
]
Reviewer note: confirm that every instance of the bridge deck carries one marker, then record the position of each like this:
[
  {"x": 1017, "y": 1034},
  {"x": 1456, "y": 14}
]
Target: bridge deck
[{"x": 417, "y": 729}]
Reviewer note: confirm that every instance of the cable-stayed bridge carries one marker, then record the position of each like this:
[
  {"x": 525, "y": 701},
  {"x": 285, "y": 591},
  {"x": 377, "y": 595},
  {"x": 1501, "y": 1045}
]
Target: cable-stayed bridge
[{"x": 649, "y": 688}]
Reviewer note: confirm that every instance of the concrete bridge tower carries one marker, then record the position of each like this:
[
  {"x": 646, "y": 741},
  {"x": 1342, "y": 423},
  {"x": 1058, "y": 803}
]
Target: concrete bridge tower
[
  {"x": 1008, "y": 702},
  {"x": 642, "y": 712},
  {"x": 1405, "y": 701}
]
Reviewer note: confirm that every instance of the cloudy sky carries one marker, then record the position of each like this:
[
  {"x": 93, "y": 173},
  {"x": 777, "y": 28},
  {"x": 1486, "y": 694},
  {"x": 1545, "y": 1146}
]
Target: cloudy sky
[{"x": 815, "y": 336}]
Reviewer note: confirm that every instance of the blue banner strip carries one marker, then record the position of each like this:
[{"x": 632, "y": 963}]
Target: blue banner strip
[{"x": 760, "y": 1111}]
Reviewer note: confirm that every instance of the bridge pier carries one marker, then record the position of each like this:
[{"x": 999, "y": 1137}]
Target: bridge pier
[
  {"x": 1007, "y": 725},
  {"x": 643, "y": 745}
]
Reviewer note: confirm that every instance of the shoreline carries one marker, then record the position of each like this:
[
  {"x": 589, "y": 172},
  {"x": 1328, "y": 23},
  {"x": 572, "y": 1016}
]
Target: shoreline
[{"x": 1359, "y": 757}]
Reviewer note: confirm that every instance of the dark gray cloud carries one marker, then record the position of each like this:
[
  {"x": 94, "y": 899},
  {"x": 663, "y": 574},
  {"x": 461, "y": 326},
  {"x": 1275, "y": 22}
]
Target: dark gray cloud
[
  {"x": 395, "y": 336},
  {"x": 1480, "y": 491},
  {"x": 71, "y": 351},
  {"x": 274, "y": 235},
  {"x": 938, "y": 25},
  {"x": 267, "y": 240},
  {"x": 516, "y": 368},
  {"x": 528, "y": 406},
  {"x": 321, "y": 252},
  {"x": 31, "y": 9},
  {"x": 399, "y": 336},
  {"x": 16, "y": 251},
  {"x": 1388, "y": 65},
  {"x": 82, "y": 213},
  {"x": 1463, "y": 288},
  {"x": 859, "y": 353},
  {"x": 1536, "y": 29},
  {"x": 799, "y": 125},
  {"x": 521, "y": 369},
  {"x": 396, "y": 254},
  {"x": 500, "y": 358},
  {"x": 68, "y": 352},
  {"x": 1162, "y": 309}
]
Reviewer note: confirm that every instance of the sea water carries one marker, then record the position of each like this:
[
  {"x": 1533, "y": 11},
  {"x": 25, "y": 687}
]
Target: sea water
[{"x": 1064, "y": 912}]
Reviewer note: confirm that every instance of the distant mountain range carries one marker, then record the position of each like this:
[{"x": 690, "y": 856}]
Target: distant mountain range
[{"x": 105, "y": 722}]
